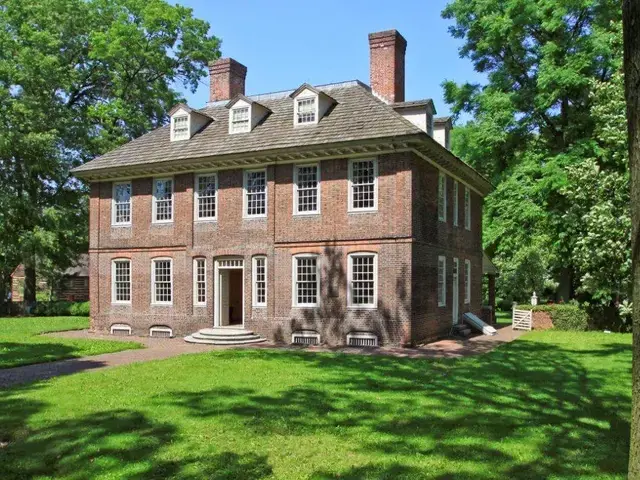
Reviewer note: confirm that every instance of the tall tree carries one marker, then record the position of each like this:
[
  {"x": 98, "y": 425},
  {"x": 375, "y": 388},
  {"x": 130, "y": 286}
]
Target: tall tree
[
  {"x": 78, "y": 78},
  {"x": 631, "y": 23}
]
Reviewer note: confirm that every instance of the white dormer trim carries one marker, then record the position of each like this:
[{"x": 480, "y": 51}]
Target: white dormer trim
[
  {"x": 239, "y": 106},
  {"x": 177, "y": 117},
  {"x": 301, "y": 99},
  {"x": 195, "y": 121}
]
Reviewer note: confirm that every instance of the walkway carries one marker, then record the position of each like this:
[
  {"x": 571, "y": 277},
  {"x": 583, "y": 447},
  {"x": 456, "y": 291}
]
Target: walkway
[{"x": 160, "y": 348}]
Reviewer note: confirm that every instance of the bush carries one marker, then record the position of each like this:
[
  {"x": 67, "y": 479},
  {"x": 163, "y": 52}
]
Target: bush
[
  {"x": 61, "y": 309},
  {"x": 564, "y": 317}
]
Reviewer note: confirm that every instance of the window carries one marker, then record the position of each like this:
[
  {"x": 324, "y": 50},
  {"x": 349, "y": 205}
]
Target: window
[
  {"x": 442, "y": 281},
  {"x": 363, "y": 183},
  {"x": 162, "y": 200},
  {"x": 239, "y": 120},
  {"x": 467, "y": 281},
  {"x": 455, "y": 203},
  {"x": 467, "y": 208},
  {"x": 206, "y": 194},
  {"x": 362, "y": 280},
  {"x": 306, "y": 111},
  {"x": 121, "y": 205},
  {"x": 442, "y": 197},
  {"x": 255, "y": 192},
  {"x": 180, "y": 127},
  {"x": 121, "y": 281},
  {"x": 306, "y": 281},
  {"x": 306, "y": 189},
  {"x": 259, "y": 281},
  {"x": 199, "y": 281},
  {"x": 161, "y": 282},
  {"x": 430, "y": 124}
]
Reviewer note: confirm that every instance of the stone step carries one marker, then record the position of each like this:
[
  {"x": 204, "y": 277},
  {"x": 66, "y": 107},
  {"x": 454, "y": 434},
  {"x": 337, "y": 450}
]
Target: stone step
[
  {"x": 225, "y": 331},
  {"x": 200, "y": 336},
  {"x": 213, "y": 341}
]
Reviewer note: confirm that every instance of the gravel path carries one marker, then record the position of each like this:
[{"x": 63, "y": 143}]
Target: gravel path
[{"x": 160, "y": 348}]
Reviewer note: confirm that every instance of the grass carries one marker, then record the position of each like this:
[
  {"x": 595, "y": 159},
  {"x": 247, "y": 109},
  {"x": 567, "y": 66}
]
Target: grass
[
  {"x": 550, "y": 405},
  {"x": 21, "y": 342},
  {"x": 504, "y": 317}
]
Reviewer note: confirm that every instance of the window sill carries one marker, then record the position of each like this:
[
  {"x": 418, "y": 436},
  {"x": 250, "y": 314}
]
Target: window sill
[
  {"x": 306, "y": 214},
  {"x": 254, "y": 217},
  {"x": 442, "y": 306},
  {"x": 205, "y": 220},
  {"x": 359, "y": 212},
  {"x": 259, "y": 306},
  {"x": 120, "y": 304},
  {"x": 162, "y": 222},
  {"x": 120, "y": 225},
  {"x": 200, "y": 305},
  {"x": 305, "y": 307},
  {"x": 162, "y": 304},
  {"x": 362, "y": 307}
]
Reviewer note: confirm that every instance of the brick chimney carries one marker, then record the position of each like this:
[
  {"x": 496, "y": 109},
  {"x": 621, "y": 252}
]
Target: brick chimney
[
  {"x": 226, "y": 79},
  {"x": 387, "y": 51}
]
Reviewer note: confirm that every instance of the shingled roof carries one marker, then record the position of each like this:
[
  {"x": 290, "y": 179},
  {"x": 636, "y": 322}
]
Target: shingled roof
[{"x": 356, "y": 116}]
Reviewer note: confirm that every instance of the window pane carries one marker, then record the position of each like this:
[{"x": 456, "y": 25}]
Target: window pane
[
  {"x": 362, "y": 280},
  {"x": 307, "y": 189},
  {"x": 307, "y": 110},
  {"x": 306, "y": 281},
  {"x": 256, "y": 193},
  {"x": 122, "y": 280},
  {"x": 240, "y": 120},
  {"x": 206, "y": 194},
  {"x": 200, "y": 281},
  {"x": 260, "y": 281},
  {"x": 163, "y": 199},
  {"x": 181, "y": 127},
  {"x": 363, "y": 184},
  {"x": 122, "y": 202},
  {"x": 162, "y": 281}
]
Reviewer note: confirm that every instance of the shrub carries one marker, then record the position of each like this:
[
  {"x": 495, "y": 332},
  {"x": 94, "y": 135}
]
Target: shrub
[
  {"x": 80, "y": 309},
  {"x": 565, "y": 317},
  {"x": 61, "y": 309}
]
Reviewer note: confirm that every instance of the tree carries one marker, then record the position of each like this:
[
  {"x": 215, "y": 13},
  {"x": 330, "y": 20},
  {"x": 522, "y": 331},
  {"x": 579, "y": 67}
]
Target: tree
[
  {"x": 78, "y": 78},
  {"x": 533, "y": 121},
  {"x": 631, "y": 23}
]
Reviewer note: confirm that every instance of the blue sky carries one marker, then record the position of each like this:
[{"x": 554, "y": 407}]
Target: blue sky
[{"x": 286, "y": 43}]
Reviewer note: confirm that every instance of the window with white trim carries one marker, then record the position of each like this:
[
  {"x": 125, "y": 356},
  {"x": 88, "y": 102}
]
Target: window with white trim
[
  {"x": 467, "y": 208},
  {"x": 307, "y": 189},
  {"x": 121, "y": 205},
  {"x": 362, "y": 278},
  {"x": 206, "y": 192},
  {"x": 121, "y": 281},
  {"x": 259, "y": 281},
  {"x": 162, "y": 200},
  {"x": 255, "y": 193},
  {"x": 442, "y": 197},
  {"x": 162, "y": 281},
  {"x": 363, "y": 185},
  {"x": 180, "y": 127},
  {"x": 467, "y": 281},
  {"x": 442, "y": 281},
  {"x": 306, "y": 281},
  {"x": 240, "y": 120},
  {"x": 199, "y": 281},
  {"x": 306, "y": 110},
  {"x": 455, "y": 203}
]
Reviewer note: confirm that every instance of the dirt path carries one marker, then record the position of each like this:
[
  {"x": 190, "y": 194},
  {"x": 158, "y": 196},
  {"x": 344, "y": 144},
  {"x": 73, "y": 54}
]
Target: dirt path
[{"x": 160, "y": 348}]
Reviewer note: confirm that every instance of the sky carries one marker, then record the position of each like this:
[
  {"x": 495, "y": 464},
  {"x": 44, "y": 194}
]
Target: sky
[{"x": 285, "y": 43}]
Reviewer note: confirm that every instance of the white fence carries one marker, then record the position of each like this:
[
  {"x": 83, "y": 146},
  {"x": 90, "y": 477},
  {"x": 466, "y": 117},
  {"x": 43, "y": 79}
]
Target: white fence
[{"x": 522, "y": 319}]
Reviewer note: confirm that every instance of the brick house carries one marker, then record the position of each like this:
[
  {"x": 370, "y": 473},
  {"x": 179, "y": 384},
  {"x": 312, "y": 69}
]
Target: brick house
[{"x": 316, "y": 214}]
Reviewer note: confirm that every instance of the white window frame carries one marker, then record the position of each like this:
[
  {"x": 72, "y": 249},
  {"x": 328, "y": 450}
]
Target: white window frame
[
  {"x": 456, "y": 201},
  {"x": 467, "y": 208},
  {"x": 154, "y": 210},
  {"x": 467, "y": 281},
  {"x": 195, "y": 282},
  {"x": 350, "y": 304},
  {"x": 175, "y": 138},
  {"x": 245, "y": 194},
  {"x": 114, "y": 222},
  {"x": 350, "y": 207},
  {"x": 196, "y": 198},
  {"x": 254, "y": 280},
  {"x": 294, "y": 280},
  {"x": 232, "y": 121},
  {"x": 153, "y": 281},
  {"x": 295, "y": 189},
  {"x": 113, "y": 282},
  {"x": 296, "y": 102},
  {"x": 442, "y": 197},
  {"x": 442, "y": 302}
]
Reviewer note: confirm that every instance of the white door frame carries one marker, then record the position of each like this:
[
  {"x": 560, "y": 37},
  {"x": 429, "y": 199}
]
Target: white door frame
[
  {"x": 455, "y": 291},
  {"x": 229, "y": 263}
]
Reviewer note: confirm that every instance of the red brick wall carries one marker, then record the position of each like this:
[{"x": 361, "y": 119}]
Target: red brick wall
[
  {"x": 333, "y": 234},
  {"x": 386, "y": 65}
]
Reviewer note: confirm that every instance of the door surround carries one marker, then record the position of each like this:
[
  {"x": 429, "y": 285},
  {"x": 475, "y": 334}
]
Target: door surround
[{"x": 226, "y": 263}]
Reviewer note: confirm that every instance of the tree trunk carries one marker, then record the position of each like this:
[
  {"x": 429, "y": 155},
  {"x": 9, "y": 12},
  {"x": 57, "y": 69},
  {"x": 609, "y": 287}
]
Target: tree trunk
[
  {"x": 29, "y": 298},
  {"x": 631, "y": 26}
]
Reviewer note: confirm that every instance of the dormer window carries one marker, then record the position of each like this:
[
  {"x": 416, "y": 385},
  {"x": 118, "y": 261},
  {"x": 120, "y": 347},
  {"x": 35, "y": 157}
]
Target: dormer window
[
  {"x": 180, "y": 126},
  {"x": 240, "y": 120},
  {"x": 306, "y": 110}
]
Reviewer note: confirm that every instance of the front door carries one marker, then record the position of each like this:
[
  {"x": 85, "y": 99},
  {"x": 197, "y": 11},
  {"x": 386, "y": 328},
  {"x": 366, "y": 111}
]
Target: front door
[
  {"x": 454, "y": 291},
  {"x": 229, "y": 293},
  {"x": 224, "y": 297}
]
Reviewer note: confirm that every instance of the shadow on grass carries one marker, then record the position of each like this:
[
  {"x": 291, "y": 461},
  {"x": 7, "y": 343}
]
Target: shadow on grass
[
  {"x": 13, "y": 354},
  {"x": 526, "y": 410}
]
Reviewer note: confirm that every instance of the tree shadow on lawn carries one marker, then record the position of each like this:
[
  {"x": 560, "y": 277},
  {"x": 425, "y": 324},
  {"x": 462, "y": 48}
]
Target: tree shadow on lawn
[
  {"x": 117, "y": 443},
  {"x": 526, "y": 410},
  {"x": 14, "y": 354}
]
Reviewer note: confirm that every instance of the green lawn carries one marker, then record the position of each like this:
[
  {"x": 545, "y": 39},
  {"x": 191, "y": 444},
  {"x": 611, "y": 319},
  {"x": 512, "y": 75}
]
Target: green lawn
[
  {"x": 504, "y": 318},
  {"x": 22, "y": 344},
  {"x": 550, "y": 405}
]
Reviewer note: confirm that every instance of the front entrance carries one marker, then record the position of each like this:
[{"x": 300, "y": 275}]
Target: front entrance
[
  {"x": 454, "y": 291},
  {"x": 229, "y": 293}
]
